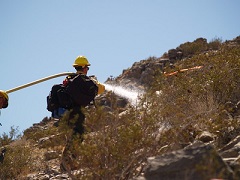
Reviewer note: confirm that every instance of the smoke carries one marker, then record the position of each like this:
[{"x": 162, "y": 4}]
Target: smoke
[{"x": 131, "y": 95}]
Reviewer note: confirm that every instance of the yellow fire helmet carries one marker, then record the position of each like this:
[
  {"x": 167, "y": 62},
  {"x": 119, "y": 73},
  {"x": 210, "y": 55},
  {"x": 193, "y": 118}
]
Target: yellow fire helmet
[
  {"x": 81, "y": 61},
  {"x": 4, "y": 94}
]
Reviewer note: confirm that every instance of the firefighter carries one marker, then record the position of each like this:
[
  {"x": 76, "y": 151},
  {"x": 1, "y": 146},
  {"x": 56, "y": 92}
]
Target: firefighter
[{"x": 76, "y": 117}]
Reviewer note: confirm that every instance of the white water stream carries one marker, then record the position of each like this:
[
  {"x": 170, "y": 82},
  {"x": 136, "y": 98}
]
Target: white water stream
[{"x": 131, "y": 95}]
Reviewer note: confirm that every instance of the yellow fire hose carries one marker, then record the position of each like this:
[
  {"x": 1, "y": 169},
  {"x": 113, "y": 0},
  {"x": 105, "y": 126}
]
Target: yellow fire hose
[
  {"x": 5, "y": 93},
  {"x": 38, "y": 81}
]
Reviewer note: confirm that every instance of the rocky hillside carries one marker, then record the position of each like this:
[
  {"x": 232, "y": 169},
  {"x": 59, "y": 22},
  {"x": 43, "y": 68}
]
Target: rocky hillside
[
  {"x": 143, "y": 73},
  {"x": 186, "y": 127}
]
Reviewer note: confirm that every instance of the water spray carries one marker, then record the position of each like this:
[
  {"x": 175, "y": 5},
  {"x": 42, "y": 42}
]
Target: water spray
[{"x": 131, "y": 95}]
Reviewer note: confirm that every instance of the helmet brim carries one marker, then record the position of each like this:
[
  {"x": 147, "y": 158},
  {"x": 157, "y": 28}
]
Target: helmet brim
[{"x": 76, "y": 65}]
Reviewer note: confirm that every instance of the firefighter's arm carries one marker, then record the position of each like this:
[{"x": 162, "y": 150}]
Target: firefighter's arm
[{"x": 101, "y": 87}]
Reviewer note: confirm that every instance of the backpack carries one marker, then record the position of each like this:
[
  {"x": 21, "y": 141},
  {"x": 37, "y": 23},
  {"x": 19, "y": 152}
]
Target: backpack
[
  {"x": 56, "y": 98},
  {"x": 77, "y": 90}
]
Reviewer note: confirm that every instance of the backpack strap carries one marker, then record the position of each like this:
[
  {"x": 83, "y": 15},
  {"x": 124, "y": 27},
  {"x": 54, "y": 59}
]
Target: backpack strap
[{"x": 66, "y": 80}]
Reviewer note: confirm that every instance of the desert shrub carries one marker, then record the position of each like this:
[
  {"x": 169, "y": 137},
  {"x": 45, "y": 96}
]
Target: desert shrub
[
  {"x": 17, "y": 162},
  {"x": 195, "y": 47},
  {"x": 215, "y": 44},
  {"x": 17, "y": 159},
  {"x": 114, "y": 146},
  {"x": 194, "y": 100},
  {"x": 7, "y": 138}
]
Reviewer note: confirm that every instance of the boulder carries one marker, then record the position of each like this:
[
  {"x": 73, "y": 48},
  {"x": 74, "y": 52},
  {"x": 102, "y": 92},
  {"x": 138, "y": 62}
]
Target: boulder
[{"x": 193, "y": 162}]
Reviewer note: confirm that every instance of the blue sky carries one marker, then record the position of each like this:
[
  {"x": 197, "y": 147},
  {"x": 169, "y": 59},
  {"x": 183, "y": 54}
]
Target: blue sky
[{"x": 43, "y": 37}]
